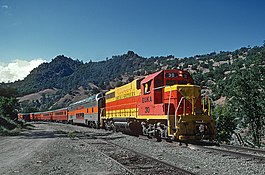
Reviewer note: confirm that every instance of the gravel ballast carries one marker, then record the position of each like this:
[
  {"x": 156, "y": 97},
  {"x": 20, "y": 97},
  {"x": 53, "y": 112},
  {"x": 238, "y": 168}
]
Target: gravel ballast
[{"x": 54, "y": 151}]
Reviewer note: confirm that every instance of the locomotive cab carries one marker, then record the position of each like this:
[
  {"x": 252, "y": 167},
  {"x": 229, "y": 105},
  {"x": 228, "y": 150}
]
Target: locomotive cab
[{"x": 153, "y": 95}]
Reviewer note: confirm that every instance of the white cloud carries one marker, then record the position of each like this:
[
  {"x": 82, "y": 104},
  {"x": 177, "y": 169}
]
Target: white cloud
[
  {"x": 17, "y": 69},
  {"x": 5, "y": 6}
]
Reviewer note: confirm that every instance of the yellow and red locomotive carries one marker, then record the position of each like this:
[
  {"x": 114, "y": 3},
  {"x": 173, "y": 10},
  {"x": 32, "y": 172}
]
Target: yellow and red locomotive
[{"x": 165, "y": 104}]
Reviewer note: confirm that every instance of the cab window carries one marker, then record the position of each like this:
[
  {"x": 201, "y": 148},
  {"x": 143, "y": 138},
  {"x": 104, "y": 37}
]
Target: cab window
[{"x": 147, "y": 87}]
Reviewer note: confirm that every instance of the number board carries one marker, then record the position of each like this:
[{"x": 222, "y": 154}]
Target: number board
[{"x": 171, "y": 75}]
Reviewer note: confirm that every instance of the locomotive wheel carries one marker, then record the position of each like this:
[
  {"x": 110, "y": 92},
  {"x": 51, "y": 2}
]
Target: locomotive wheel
[
  {"x": 149, "y": 136},
  {"x": 158, "y": 136},
  {"x": 105, "y": 125},
  {"x": 97, "y": 125},
  {"x": 169, "y": 140}
]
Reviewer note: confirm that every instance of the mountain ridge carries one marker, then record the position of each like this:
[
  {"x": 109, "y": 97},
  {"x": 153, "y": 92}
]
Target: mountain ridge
[{"x": 67, "y": 76}]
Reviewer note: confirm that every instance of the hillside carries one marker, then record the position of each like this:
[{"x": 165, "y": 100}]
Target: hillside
[{"x": 64, "y": 80}]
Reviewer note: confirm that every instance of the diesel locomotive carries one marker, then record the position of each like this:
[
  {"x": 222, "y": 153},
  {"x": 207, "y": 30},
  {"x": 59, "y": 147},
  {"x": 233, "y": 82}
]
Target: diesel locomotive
[{"x": 165, "y": 104}]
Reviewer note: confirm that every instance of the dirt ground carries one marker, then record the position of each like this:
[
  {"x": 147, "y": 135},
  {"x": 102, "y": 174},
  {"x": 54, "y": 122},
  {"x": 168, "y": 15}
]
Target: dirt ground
[
  {"x": 54, "y": 148},
  {"x": 50, "y": 149}
]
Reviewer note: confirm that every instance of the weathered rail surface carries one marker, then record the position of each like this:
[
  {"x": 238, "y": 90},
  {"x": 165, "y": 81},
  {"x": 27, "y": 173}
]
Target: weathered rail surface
[
  {"x": 234, "y": 151},
  {"x": 135, "y": 162},
  {"x": 245, "y": 149}
]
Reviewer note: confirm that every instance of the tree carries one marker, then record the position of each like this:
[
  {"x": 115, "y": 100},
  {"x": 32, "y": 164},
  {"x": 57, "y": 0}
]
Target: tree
[
  {"x": 226, "y": 123},
  {"x": 8, "y": 92},
  {"x": 247, "y": 100},
  {"x": 8, "y": 107},
  {"x": 8, "y": 102}
]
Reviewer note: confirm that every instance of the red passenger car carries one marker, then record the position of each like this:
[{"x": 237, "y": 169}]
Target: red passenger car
[
  {"x": 23, "y": 117},
  {"x": 31, "y": 116},
  {"x": 60, "y": 115},
  {"x": 46, "y": 116},
  {"x": 37, "y": 116}
]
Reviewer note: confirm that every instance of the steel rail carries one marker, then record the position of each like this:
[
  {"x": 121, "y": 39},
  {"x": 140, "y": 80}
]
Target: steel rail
[
  {"x": 152, "y": 158},
  {"x": 102, "y": 153},
  {"x": 232, "y": 153},
  {"x": 261, "y": 151}
]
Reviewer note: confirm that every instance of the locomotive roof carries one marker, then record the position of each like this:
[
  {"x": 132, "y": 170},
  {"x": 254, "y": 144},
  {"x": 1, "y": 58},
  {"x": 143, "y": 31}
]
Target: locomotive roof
[{"x": 152, "y": 76}]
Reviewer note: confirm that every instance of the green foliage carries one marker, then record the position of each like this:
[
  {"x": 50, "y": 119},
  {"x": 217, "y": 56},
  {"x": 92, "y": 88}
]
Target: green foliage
[
  {"x": 6, "y": 132},
  {"x": 72, "y": 135},
  {"x": 8, "y": 107},
  {"x": 8, "y": 111},
  {"x": 8, "y": 92},
  {"x": 200, "y": 78},
  {"x": 8, "y": 126},
  {"x": 242, "y": 82},
  {"x": 226, "y": 123},
  {"x": 223, "y": 56},
  {"x": 247, "y": 97}
]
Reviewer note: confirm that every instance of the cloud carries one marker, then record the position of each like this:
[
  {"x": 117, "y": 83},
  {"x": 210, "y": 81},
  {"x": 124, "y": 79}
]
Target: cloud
[
  {"x": 17, "y": 69},
  {"x": 5, "y": 6}
]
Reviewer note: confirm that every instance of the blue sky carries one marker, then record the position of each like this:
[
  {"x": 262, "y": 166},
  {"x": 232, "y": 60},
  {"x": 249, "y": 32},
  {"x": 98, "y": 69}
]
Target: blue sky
[
  {"x": 98, "y": 29},
  {"x": 93, "y": 30}
]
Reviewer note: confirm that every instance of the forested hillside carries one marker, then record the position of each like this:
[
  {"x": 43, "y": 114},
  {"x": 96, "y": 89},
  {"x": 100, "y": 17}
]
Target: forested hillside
[
  {"x": 234, "y": 80},
  {"x": 64, "y": 75}
]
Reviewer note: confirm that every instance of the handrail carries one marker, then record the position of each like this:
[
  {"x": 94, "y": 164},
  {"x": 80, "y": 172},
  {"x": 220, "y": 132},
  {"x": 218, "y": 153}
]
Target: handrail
[
  {"x": 168, "y": 108},
  {"x": 177, "y": 111},
  {"x": 101, "y": 111},
  {"x": 161, "y": 87},
  {"x": 209, "y": 106}
]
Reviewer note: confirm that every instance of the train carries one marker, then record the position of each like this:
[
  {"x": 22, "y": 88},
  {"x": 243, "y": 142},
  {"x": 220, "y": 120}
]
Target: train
[{"x": 163, "y": 105}]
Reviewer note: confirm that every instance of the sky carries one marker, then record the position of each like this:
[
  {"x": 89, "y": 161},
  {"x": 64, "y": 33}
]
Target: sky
[{"x": 36, "y": 31}]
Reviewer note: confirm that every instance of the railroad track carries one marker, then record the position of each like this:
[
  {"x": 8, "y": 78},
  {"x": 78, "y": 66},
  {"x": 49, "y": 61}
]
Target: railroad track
[
  {"x": 239, "y": 152},
  {"x": 245, "y": 149},
  {"x": 135, "y": 162}
]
